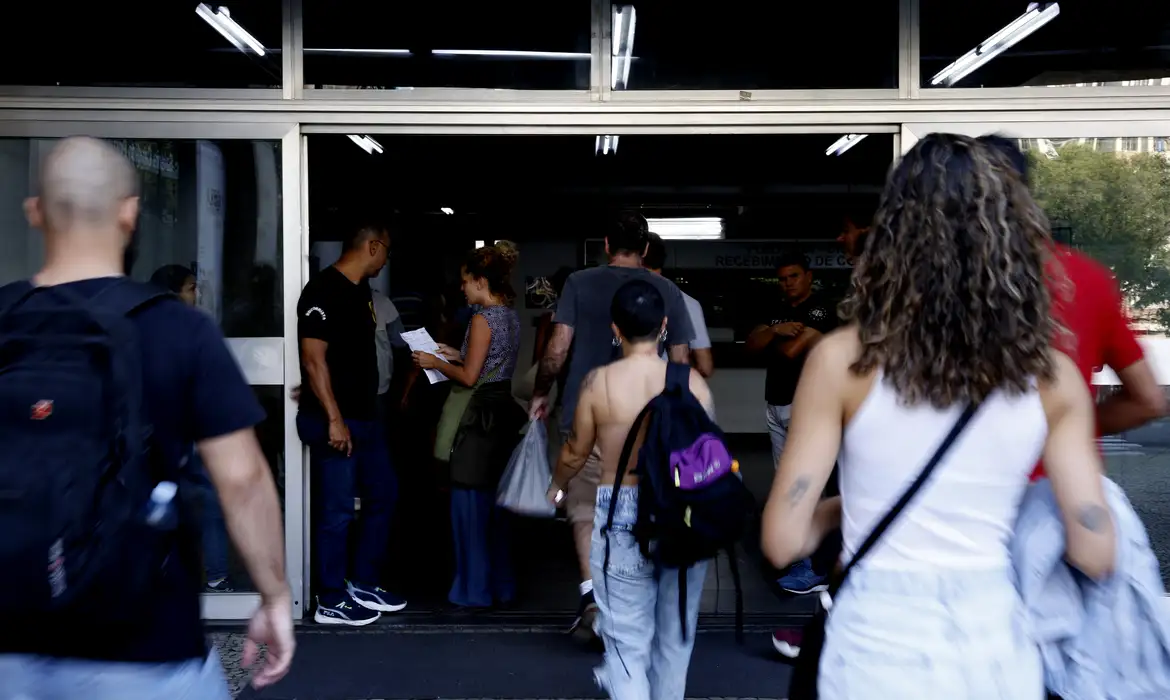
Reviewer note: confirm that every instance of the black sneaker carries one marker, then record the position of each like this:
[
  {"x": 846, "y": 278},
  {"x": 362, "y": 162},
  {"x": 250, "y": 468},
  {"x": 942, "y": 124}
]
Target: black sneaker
[
  {"x": 222, "y": 585},
  {"x": 584, "y": 628},
  {"x": 374, "y": 598},
  {"x": 344, "y": 611}
]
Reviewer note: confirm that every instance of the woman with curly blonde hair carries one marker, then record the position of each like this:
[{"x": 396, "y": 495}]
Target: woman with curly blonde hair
[{"x": 949, "y": 308}]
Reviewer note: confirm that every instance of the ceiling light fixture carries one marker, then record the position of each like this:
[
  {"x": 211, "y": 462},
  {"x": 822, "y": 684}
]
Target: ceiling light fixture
[
  {"x": 694, "y": 228},
  {"x": 366, "y": 143},
  {"x": 495, "y": 53},
  {"x": 604, "y": 145},
  {"x": 447, "y": 210},
  {"x": 221, "y": 20},
  {"x": 844, "y": 144},
  {"x": 1037, "y": 16},
  {"x": 624, "y": 20}
]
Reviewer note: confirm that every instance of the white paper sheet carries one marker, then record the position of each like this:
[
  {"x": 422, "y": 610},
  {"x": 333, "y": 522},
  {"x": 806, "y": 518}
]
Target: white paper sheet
[{"x": 421, "y": 341}]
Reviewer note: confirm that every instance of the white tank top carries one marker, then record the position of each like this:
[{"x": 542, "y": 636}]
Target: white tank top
[{"x": 964, "y": 515}]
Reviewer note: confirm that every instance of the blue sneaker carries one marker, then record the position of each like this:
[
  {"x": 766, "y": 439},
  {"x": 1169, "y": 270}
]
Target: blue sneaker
[
  {"x": 344, "y": 611},
  {"x": 801, "y": 579},
  {"x": 374, "y": 598}
]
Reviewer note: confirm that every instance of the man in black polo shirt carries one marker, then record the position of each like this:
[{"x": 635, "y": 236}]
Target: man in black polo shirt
[
  {"x": 798, "y": 321},
  {"x": 340, "y": 421}
]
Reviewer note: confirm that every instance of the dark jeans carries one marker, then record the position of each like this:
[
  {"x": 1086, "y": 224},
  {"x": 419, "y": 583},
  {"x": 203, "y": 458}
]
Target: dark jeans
[
  {"x": 368, "y": 474},
  {"x": 214, "y": 531}
]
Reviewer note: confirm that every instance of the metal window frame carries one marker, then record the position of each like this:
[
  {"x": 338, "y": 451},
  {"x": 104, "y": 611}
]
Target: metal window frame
[
  {"x": 293, "y": 259},
  {"x": 293, "y": 89}
]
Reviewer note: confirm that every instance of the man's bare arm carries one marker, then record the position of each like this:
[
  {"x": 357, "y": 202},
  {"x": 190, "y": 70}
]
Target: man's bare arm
[
  {"x": 704, "y": 361},
  {"x": 1140, "y": 401},
  {"x": 680, "y": 354},
  {"x": 582, "y": 435},
  {"x": 251, "y": 508},
  {"x": 760, "y": 337},
  {"x": 313, "y": 355},
  {"x": 554, "y": 359}
]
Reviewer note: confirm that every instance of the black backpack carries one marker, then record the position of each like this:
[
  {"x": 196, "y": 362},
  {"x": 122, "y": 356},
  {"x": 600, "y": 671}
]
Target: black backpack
[
  {"x": 77, "y": 463},
  {"x": 692, "y": 503}
]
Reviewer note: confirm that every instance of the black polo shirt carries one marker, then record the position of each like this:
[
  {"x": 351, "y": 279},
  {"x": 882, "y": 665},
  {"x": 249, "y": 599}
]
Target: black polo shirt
[
  {"x": 341, "y": 313},
  {"x": 784, "y": 372}
]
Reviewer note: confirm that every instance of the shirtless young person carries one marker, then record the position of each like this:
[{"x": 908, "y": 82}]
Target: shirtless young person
[{"x": 646, "y": 652}]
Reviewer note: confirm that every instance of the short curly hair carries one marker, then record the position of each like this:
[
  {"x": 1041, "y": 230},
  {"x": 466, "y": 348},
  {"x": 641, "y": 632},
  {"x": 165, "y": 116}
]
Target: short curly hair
[{"x": 951, "y": 298}]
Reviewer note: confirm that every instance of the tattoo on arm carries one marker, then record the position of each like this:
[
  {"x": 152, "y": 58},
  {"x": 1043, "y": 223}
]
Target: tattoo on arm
[
  {"x": 1093, "y": 518},
  {"x": 553, "y": 360},
  {"x": 798, "y": 490}
]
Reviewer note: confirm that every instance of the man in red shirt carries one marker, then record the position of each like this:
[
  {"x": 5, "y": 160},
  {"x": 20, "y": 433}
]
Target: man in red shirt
[{"x": 1090, "y": 308}]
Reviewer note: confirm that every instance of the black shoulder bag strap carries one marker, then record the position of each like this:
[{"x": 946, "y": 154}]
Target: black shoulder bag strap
[{"x": 804, "y": 677}]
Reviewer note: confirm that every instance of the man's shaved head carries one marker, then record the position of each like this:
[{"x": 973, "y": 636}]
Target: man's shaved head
[{"x": 85, "y": 182}]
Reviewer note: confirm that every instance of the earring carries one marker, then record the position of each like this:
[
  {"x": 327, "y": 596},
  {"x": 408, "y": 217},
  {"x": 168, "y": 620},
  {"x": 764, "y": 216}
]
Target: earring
[
  {"x": 662, "y": 336},
  {"x": 617, "y": 341}
]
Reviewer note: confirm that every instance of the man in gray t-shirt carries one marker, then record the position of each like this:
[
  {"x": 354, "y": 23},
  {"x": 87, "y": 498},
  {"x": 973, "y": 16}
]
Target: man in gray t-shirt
[{"x": 583, "y": 321}]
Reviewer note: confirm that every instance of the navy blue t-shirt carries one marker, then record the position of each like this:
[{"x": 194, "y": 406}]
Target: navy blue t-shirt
[{"x": 194, "y": 390}]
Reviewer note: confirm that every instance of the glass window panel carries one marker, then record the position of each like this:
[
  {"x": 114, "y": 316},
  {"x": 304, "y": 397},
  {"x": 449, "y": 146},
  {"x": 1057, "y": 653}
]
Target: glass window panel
[
  {"x": 1110, "y": 198},
  {"x": 1087, "y": 44},
  {"x": 213, "y": 207},
  {"x": 221, "y": 563},
  {"x": 388, "y": 46},
  {"x": 746, "y": 45},
  {"x": 138, "y": 43}
]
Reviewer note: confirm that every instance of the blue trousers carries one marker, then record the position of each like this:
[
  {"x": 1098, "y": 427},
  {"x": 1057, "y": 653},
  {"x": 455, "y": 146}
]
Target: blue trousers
[
  {"x": 483, "y": 566},
  {"x": 368, "y": 474},
  {"x": 214, "y": 531}
]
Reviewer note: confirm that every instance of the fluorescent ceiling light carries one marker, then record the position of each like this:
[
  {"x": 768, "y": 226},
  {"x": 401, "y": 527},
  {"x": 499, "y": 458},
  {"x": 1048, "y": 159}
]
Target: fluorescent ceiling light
[
  {"x": 604, "y": 145},
  {"x": 844, "y": 144},
  {"x": 1037, "y": 16},
  {"x": 447, "y": 210},
  {"x": 478, "y": 245},
  {"x": 366, "y": 143},
  {"x": 480, "y": 53},
  {"x": 624, "y": 20},
  {"x": 370, "y": 52},
  {"x": 694, "y": 228},
  {"x": 221, "y": 20},
  {"x": 573, "y": 55}
]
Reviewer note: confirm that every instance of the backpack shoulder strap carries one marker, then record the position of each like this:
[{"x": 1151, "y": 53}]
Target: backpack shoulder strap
[
  {"x": 678, "y": 377},
  {"x": 126, "y": 297}
]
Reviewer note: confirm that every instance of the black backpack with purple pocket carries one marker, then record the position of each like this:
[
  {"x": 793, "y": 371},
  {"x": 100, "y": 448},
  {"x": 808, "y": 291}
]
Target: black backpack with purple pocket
[{"x": 692, "y": 502}]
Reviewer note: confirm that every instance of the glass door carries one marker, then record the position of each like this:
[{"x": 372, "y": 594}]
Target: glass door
[
  {"x": 215, "y": 212},
  {"x": 1105, "y": 187}
]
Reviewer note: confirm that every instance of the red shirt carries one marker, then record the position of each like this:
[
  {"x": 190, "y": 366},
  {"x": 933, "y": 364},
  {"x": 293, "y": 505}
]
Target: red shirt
[{"x": 1094, "y": 316}]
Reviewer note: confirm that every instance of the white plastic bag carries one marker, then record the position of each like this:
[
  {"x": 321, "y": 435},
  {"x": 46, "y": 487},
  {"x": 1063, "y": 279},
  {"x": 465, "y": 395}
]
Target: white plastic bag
[{"x": 524, "y": 486}]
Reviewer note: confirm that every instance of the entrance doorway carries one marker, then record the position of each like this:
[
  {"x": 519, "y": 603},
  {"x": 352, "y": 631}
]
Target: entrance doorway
[{"x": 729, "y": 206}]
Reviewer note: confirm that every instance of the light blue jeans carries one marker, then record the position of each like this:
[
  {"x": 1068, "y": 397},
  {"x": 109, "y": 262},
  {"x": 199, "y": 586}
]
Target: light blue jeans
[
  {"x": 43, "y": 678},
  {"x": 956, "y": 635},
  {"x": 646, "y": 654}
]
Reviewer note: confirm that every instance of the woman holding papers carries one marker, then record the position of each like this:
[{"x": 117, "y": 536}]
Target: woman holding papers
[{"x": 480, "y": 427}]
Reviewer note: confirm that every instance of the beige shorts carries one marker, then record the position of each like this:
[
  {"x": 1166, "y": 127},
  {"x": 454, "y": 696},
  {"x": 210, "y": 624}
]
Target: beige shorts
[{"x": 581, "y": 495}]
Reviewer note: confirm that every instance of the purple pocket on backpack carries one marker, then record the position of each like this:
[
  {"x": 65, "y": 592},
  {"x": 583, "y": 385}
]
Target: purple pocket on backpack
[{"x": 706, "y": 460}]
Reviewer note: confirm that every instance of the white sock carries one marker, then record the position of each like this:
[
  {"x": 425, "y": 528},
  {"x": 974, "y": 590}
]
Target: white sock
[{"x": 586, "y": 587}]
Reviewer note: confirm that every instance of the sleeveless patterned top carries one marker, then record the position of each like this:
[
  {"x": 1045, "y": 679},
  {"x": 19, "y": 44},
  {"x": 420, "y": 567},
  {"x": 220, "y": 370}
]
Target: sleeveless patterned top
[{"x": 504, "y": 350}]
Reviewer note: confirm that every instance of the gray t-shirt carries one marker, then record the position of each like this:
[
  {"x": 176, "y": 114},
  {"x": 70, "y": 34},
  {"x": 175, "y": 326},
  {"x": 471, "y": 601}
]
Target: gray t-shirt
[
  {"x": 584, "y": 306},
  {"x": 387, "y": 334}
]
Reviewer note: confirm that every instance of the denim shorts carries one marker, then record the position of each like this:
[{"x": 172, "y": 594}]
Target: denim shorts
[{"x": 910, "y": 635}]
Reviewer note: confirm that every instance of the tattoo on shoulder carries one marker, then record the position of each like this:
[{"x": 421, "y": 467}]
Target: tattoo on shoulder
[
  {"x": 590, "y": 378},
  {"x": 1093, "y": 518},
  {"x": 798, "y": 490}
]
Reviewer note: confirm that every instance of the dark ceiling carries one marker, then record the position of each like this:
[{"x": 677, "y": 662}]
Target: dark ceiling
[{"x": 523, "y": 182}]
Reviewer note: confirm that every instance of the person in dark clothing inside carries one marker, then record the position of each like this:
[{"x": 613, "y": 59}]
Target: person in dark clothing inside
[
  {"x": 798, "y": 321},
  {"x": 340, "y": 420}
]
